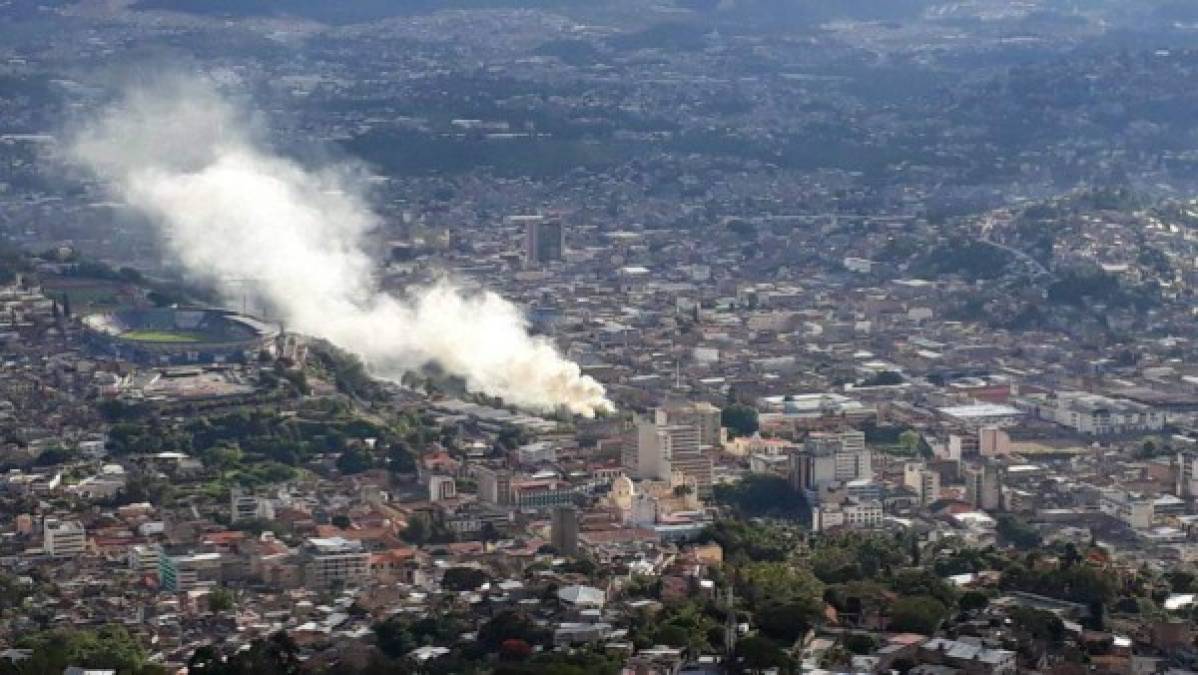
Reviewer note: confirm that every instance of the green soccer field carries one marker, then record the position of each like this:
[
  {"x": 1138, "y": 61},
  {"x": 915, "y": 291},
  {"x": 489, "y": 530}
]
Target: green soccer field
[{"x": 161, "y": 336}]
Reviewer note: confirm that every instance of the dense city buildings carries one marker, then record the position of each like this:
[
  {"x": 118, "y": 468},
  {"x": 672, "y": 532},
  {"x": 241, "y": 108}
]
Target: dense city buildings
[{"x": 612, "y": 337}]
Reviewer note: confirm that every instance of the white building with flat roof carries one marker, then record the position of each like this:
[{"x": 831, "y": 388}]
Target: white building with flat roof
[
  {"x": 335, "y": 560},
  {"x": 1098, "y": 415},
  {"x": 982, "y": 414},
  {"x": 64, "y": 539}
]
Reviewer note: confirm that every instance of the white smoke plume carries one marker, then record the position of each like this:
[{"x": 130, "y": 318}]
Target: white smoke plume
[{"x": 228, "y": 208}]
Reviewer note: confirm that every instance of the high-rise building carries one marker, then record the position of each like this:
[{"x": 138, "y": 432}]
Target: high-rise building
[
  {"x": 854, "y": 460},
  {"x": 494, "y": 485},
  {"x": 64, "y": 539},
  {"x": 564, "y": 530},
  {"x": 143, "y": 559},
  {"x": 1187, "y": 474},
  {"x": 962, "y": 445},
  {"x": 993, "y": 442},
  {"x": 544, "y": 241},
  {"x": 665, "y": 448},
  {"x": 924, "y": 481},
  {"x": 983, "y": 485},
  {"x": 703, "y": 416},
  {"x": 441, "y": 488},
  {"x": 827, "y": 458}
]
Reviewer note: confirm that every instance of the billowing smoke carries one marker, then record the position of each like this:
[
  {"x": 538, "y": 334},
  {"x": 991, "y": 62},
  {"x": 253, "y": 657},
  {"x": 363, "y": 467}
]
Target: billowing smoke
[{"x": 229, "y": 209}]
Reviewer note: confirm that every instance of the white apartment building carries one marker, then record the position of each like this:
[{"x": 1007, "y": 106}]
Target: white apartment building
[
  {"x": 1098, "y": 415},
  {"x": 1138, "y": 511},
  {"x": 245, "y": 506},
  {"x": 144, "y": 559},
  {"x": 848, "y": 513},
  {"x": 335, "y": 560},
  {"x": 64, "y": 539}
]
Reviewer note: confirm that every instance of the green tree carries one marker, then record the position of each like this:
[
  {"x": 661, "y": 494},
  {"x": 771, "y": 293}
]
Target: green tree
[
  {"x": 910, "y": 441},
  {"x": 787, "y": 621},
  {"x": 971, "y": 601},
  {"x": 777, "y": 581},
  {"x": 923, "y": 582},
  {"x": 860, "y": 643},
  {"x": 276, "y": 655},
  {"x": 225, "y": 457},
  {"x": 509, "y": 625},
  {"x": 220, "y": 600},
  {"x": 756, "y": 653},
  {"x": 673, "y": 635},
  {"x": 752, "y": 540},
  {"x": 760, "y": 495},
  {"x": 393, "y": 637},
  {"x": 400, "y": 458},
  {"x": 108, "y": 647},
  {"x": 921, "y": 614},
  {"x": 740, "y": 419},
  {"x": 464, "y": 578},
  {"x": 1016, "y": 532},
  {"x": 355, "y": 460},
  {"x": 1038, "y": 624}
]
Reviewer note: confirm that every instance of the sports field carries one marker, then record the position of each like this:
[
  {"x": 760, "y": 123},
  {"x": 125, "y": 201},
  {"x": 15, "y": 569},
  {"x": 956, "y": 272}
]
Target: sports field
[{"x": 161, "y": 336}]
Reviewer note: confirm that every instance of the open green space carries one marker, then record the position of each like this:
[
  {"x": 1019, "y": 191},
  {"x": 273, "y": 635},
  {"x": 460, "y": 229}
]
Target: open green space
[{"x": 162, "y": 336}]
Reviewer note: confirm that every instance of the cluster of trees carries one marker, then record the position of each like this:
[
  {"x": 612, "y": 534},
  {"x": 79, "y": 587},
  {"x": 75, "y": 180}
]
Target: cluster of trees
[
  {"x": 883, "y": 378},
  {"x": 740, "y": 419},
  {"x": 783, "y": 580},
  {"x": 398, "y": 635},
  {"x": 252, "y": 446},
  {"x": 1014, "y": 531},
  {"x": 1080, "y": 285},
  {"x": 759, "y": 495},
  {"x": 276, "y": 654},
  {"x": 1071, "y": 580},
  {"x": 506, "y": 643},
  {"x": 744, "y": 540},
  {"x": 345, "y": 370},
  {"x": 969, "y": 258},
  {"x": 422, "y": 529},
  {"x": 109, "y": 647},
  {"x": 464, "y": 578}
]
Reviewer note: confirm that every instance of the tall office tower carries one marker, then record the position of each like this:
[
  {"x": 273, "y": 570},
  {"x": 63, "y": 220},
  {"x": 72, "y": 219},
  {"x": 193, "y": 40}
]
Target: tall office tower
[
  {"x": 494, "y": 485},
  {"x": 1187, "y": 474},
  {"x": 665, "y": 448},
  {"x": 544, "y": 241},
  {"x": 854, "y": 460},
  {"x": 828, "y": 458},
  {"x": 702, "y": 415},
  {"x": 983, "y": 485},
  {"x": 564, "y": 530},
  {"x": 924, "y": 481},
  {"x": 993, "y": 441}
]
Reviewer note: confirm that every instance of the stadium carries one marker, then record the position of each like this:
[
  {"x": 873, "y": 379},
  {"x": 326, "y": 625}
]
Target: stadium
[{"x": 172, "y": 336}]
